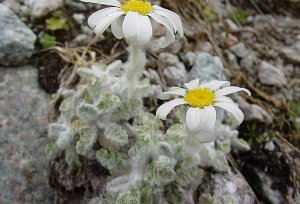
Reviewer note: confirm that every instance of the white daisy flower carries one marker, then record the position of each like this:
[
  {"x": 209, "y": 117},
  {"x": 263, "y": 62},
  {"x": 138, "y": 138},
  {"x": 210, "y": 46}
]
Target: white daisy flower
[
  {"x": 134, "y": 20},
  {"x": 202, "y": 100}
]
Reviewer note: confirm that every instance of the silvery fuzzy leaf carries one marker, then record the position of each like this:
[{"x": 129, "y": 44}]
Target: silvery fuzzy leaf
[
  {"x": 160, "y": 172},
  {"x": 190, "y": 176},
  {"x": 115, "y": 134},
  {"x": 131, "y": 196},
  {"x": 175, "y": 194},
  {"x": 149, "y": 120},
  {"x": 86, "y": 140},
  {"x": 228, "y": 199},
  {"x": 108, "y": 102},
  {"x": 128, "y": 109},
  {"x": 119, "y": 184},
  {"x": 67, "y": 105},
  {"x": 224, "y": 146},
  {"x": 72, "y": 158},
  {"x": 240, "y": 144},
  {"x": 65, "y": 138},
  {"x": 94, "y": 90},
  {"x": 51, "y": 150},
  {"x": 213, "y": 158},
  {"x": 208, "y": 199},
  {"x": 109, "y": 160},
  {"x": 85, "y": 73},
  {"x": 115, "y": 67},
  {"x": 55, "y": 129},
  {"x": 165, "y": 149},
  {"x": 220, "y": 163},
  {"x": 87, "y": 112}
]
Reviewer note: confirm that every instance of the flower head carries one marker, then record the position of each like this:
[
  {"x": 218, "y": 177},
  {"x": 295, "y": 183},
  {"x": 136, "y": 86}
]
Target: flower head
[
  {"x": 202, "y": 100},
  {"x": 134, "y": 20}
]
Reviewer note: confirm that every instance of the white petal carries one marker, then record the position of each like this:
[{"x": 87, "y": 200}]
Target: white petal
[
  {"x": 201, "y": 119},
  {"x": 233, "y": 109},
  {"x": 166, "y": 108},
  {"x": 174, "y": 90},
  {"x": 103, "y": 24},
  {"x": 214, "y": 85},
  {"x": 230, "y": 90},
  {"x": 174, "y": 16},
  {"x": 170, "y": 38},
  {"x": 144, "y": 30},
  {"x": 223, "y": 99},
  {"x": 130, "y": 26},
  {"x": 116, "y": 28},
  {"x": 104, "y": 2},
  {"x": 192, "y": 84},
  {"x": 98, "y": 15},
  {"x": 170, "y": 32},
  {"x": 167, "y": 18}
]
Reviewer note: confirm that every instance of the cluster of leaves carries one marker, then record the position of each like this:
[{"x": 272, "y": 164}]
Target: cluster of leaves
[{"x": 146, "y": 165}]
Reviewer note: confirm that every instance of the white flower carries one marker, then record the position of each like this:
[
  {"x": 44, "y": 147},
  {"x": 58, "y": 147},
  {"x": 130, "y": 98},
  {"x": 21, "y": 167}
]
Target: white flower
[
  {"x": 134, "y": 20},
  {"x": 202, "y": 100}
]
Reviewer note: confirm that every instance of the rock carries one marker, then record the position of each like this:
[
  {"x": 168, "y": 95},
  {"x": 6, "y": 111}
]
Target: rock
[
  {"x": 204, "y": 46},
  {"x": 79, "y": 18},
  {"x": 175, "y": 74},
  {"x": 23, "y": 136},
  {"x": 270, "y": 75},
  {"x": 248, "y": 63},
  {"x": 16, "y": 39},
  {"x": 240, "y": 50},
  {"x": 41, "y": 8},
  {"x": 232, "y": 60},
  {"x": 230, "y": 25},
  {"x": 14, "y": 5},
  {"x": 227, "y": 185},
  {"x": 167, "y": 58},
  {"x": 291, "y": 54},
  {"x": 206, "y": 68},
  {"x": 270, "y": 146},
  {"x": 188, "y": 58},
  {"x": 253, "y": 112}
]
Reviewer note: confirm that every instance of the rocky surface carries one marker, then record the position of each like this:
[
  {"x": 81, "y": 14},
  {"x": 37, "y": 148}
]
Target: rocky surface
[
  {"x": 16, "y": 39},
  {"x": 270, "y": 75},
  {"x": 23, "y": 136}
]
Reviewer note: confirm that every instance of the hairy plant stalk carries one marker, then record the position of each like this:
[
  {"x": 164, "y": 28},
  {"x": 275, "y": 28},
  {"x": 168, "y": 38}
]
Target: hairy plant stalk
[{"x": 134, "y": 68}]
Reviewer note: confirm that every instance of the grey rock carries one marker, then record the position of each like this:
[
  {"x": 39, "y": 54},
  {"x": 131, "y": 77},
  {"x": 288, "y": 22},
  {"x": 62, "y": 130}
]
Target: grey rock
[
  {"x": 23, "y": 136},
  {"x": 248, "y": 63},
  {"x": 229, "y": 184},
  {"x": 41, "y": 8},
  {"x": 230, "y": 25},
  {"x": 204, "y": 46},
  {"x": 79, "y": 18},
  {"x": 291, "y": 54},
  {"x": 175, "y": 74},
  {"x": 240, "y": 50},
  {"x": 270, "y": 146},
  {"x": 14, "y": 5},
  {"x": 270, "y": 75},
  {"x": 16, "y": 39},
  {"x": 168, "y": 59},
  {"x": 188, "y": 58},
  {"x": 206, "y": 68},
  {"x": 232, "y": 59},
  {"x": 253, "y": 112}
]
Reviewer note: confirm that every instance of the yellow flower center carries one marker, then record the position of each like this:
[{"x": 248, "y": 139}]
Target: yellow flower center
[
  {"x": 200, "y": 97},
  {"x": 141, "y": 6}
]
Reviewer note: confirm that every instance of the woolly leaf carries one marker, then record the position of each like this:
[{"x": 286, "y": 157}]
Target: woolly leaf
[
  {"x": 65, "y": 138},
  {"x": 115, "y": 134},
  {"x": 85, "y": 73},
  {"x": 189, "y": 177},
  {"x": 87, "y": 112},
  {"x": 146, "y": 191},
  {"x": 165, "y": 149},
  {"x": 114, "y": 67},
  {"x": 149, "y": 120},
  {"x": 108, "y": 102},
  {"x": 128, "y": 109},
  {"x": 67, "y": 104},
  {"x": 86, "y": 140},
  {"x": 72, "y": 158},
  {"x": 228, "y": 199},
  {"x": 51, "y": 150},
  {"x": 94, "y": 89},
  {"x": 132, "y": 196},
  {"x": 208, "y": 199},
  {"x": 140, "y": 146},
  {"x": 175, "y": 194},
  {"x": 109, "y": 160},
  {"x": 160, "y": 172},
  {"x": 240, "y": 144},
  {"x": 119, "y": 184},
  {"x": 220, "y": 163},
  {"x": 224, "y": 146},
  {"x": 55, "y": 129}
]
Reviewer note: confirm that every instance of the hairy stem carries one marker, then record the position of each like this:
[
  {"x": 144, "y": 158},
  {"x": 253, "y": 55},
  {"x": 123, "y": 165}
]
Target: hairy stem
[{"x": 134, "y": 68}]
